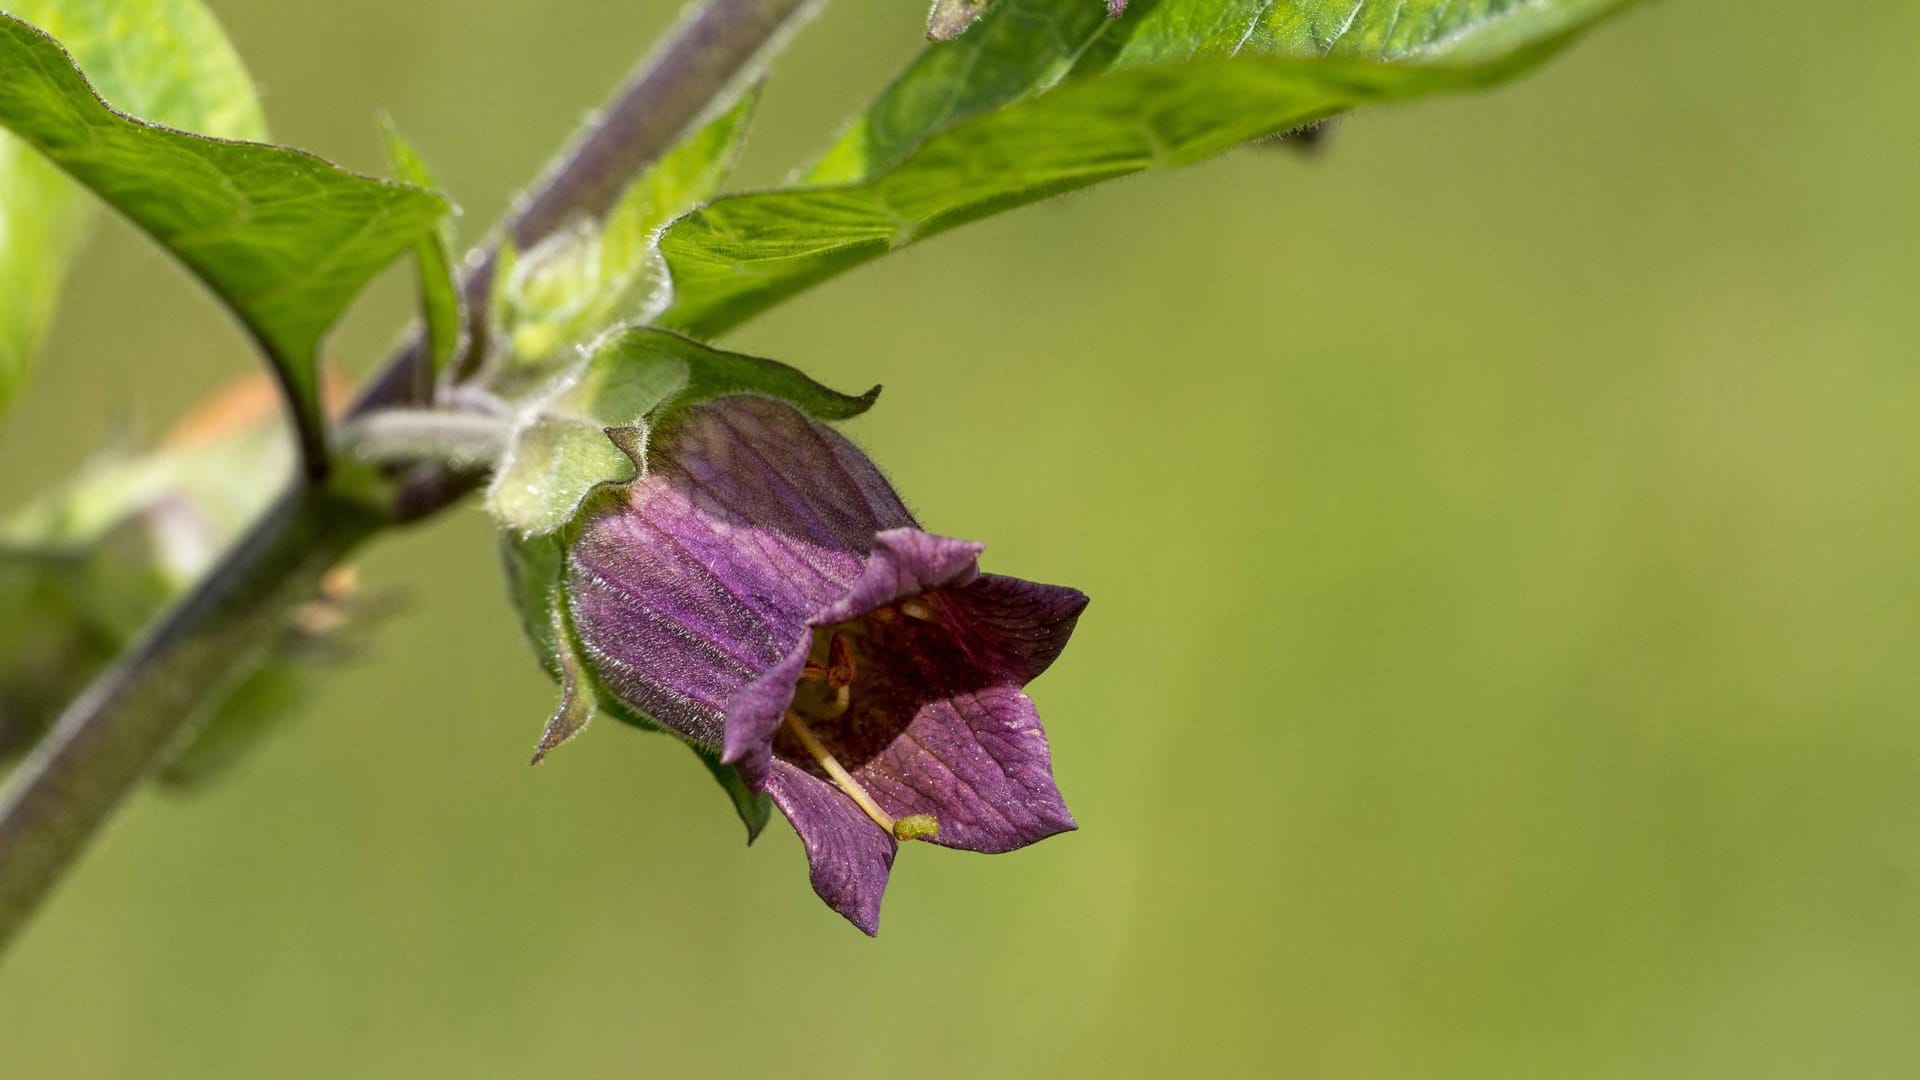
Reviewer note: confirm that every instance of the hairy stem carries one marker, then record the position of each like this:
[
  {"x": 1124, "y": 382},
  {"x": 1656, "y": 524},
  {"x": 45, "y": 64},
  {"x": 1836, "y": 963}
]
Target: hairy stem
[{"x": 120, "y": 729}]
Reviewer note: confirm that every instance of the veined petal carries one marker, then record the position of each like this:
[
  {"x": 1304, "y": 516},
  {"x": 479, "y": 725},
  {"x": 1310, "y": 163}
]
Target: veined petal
[
  {"x": 848, "y": 856},
  {"x": 977, "y": 761},
  {"x": 756, "y": 712},
  {"x": 1012, "y": 626},
  {"x": 905, "y": 563}
]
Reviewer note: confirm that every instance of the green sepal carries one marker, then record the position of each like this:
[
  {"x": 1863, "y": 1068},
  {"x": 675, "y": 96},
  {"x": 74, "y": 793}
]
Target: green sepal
[
  {"x": 591, "y": 427},
  {"x": 754, "y": 808},
  {"x": 578, "y": 699},
  {"x": 534, "y": 568}
]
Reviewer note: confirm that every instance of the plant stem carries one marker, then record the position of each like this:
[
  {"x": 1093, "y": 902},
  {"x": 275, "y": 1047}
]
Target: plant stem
[
  {"x": 125, "y": 722},
  {"x": 116, "y": 732},
  {"x": 707, "y": 54}
]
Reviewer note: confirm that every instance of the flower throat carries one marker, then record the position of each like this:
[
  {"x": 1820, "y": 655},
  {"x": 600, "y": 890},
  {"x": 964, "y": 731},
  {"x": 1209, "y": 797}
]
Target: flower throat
[{"x": 823, "y": 697}]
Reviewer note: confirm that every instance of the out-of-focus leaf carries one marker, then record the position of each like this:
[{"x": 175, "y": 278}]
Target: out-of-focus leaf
[
  {"x": 237, "y": 723},
  {"x": 433, "y": 258},
  {"x": 1044, "y": 97},
  {"x": 166, "y": 60},
  {"x": 544, "y": 293},
  {"x": 284, "y": 238},
  {"x": 85, "y": 567},
  {"x": 632, "y": 383},
  {"x": 580, "y": 281}
]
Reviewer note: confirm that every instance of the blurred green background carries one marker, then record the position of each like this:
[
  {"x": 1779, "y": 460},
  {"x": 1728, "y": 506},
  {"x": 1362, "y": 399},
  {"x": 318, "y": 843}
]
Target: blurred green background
[{"x": 1501, "y": 663}]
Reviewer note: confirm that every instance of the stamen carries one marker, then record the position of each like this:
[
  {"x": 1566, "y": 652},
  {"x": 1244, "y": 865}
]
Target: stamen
[
  {"x": 918, "y": 610},
  {"x": 838, "y": 771},
  {"x": 911, "y": 827},
  {"x": 916, "y": 827},
  {"x": 840, "y": 663},
  {"x": 842, "y": 697}
]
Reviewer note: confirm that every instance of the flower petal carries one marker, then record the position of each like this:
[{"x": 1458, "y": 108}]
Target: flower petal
[
  {"x": 848, "y": 856},
  {"x": 755, "y": 714},
  {"x": 904, "y": 564},
  {"x": 1016, "y": 628},
  {"x": 978, "y": 761}
]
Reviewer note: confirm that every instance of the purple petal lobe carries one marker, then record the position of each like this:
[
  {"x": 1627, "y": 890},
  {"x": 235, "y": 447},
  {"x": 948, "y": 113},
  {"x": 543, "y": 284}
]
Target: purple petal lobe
[
  {"x": 931, "y": 735},
  {"x": 980, "y": 764},
  {"x": 755, "y": 714},
  {"x": 848, "y": 856},
  {"x": 1015, "y": 627},
  {"x": 904, "y": 564}
]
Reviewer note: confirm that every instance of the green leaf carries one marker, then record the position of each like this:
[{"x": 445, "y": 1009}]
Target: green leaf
[
  {"x": 164, "y": 59},
  {"x": 284, "y": 238},
  {"x": 581, "y": 281},
  {"x": 433, "y": 257},
  {"x": 1044, "y": 96},
  {"x": 592, "y": 425},
  {"x": 1025, "y": 47},
  {"x": 691, "y": 173}
]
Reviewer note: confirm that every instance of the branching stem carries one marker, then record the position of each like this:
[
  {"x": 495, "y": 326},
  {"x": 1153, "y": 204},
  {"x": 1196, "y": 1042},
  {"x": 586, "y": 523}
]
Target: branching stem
[{"x": 116, "y": 732}]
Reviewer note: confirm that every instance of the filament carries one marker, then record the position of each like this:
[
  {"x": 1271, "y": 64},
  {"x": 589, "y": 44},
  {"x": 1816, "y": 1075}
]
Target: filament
[{"x": 911, "y": 827}]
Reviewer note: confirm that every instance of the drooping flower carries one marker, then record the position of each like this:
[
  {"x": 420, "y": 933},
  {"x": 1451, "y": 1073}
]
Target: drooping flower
[{"x": 762, "y": 591}]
